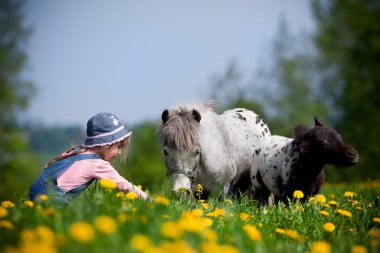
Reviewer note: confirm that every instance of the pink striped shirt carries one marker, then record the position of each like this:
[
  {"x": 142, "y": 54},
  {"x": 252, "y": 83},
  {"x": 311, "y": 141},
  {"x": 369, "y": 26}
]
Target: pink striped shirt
[{"x": 85, "y": 170}]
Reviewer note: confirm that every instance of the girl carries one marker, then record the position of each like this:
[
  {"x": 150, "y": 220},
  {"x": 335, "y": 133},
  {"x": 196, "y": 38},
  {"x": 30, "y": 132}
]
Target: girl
[{"x": 65, "y": 176}]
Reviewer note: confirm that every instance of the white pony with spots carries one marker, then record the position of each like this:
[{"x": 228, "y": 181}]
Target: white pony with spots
[{"x": 202, "y": 147}]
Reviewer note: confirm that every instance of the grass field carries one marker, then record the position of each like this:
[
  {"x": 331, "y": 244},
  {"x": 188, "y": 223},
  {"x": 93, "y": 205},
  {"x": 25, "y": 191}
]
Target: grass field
[{"x": 345, "y": 218}]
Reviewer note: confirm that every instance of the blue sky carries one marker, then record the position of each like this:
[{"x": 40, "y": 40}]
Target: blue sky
[{"x": 136, "y": 58}]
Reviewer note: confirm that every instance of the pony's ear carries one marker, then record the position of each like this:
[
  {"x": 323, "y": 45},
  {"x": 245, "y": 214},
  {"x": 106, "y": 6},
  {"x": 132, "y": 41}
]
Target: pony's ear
[
  {"x": 165, "y": 116},
  {"x": 299, "y": 131},
  {"x": 196, "y": 115},
  {"x": 317, "y": 122}
]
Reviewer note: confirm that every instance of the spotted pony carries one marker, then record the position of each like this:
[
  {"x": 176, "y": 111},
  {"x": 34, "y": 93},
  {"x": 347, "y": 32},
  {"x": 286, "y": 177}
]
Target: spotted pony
[
  {"x": 214, "y": 150},
  {"x": 282, "y": 165}
]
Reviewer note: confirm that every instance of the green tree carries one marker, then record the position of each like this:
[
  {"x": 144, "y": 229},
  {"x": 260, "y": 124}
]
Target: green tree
[
  {"x": 15, "y": 159},
  {"x": 348, "y": 40}
]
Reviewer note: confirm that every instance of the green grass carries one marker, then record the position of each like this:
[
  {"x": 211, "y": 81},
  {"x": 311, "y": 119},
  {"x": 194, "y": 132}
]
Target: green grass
[{"x": 148, "y": 226}]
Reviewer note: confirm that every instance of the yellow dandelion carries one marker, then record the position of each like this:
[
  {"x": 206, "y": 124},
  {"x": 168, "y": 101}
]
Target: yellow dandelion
[
  {"x": 374, "y": 232},
  {"x": 294, "y": 235},
  {"x": 333, "y": 203},
  {"x": 375, "y": 219},
  {"x": 197, "y": 212},
  {"x": 194, "y": 224},
  {"x": 349, "y": 194},
  {"x": 120, "y": 195},
  {"x": 131, "y": 195},
  {"x": 7, "y": 204},
  {"x": 298, "y": 194},
  {"x": 359, "y": 249},
  {"x": 320, "y": 247},
  {"x": 161, "y": 200},
  {"x": 244, "y": 216},
  {"x": 216, "y": 213},
  {"x": 107, "y": 183},
  {"x": 82, "y": 231},
  {"x": 205, "y": 206},
  {"x": 320, "y": 198},
  {"x": 173, "y": 247},
  {"x": 140, "y": 242},
  {"x": 280, "y": 231},
  {"x": 3, "y": 212},
  {"x": 171, "y": 229},
  {"x": 28, "y": 203},
  {"x": 252, "y": 232},
  {"x": 229, "y": 202},
  {"x": 105, "y": 224},
  {"x": 329, "y": 227},
  {"x": 344, "y": 213},
  {"x": 43, "y": 197},
  {"x": 6, "y": 224},
  {"x": 325, "y": 213}
]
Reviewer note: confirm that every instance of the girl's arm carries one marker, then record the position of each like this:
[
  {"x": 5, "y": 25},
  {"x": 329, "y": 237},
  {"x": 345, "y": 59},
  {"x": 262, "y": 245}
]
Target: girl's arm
[{"x": 106, "y": 171}]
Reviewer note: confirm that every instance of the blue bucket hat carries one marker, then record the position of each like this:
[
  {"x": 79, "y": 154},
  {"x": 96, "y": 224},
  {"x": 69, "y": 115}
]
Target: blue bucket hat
[{"x": 105, "y": 129}]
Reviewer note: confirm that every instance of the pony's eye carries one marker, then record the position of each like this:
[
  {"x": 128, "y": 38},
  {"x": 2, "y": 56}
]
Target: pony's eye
[
  {"x": 165, "y": 151},
  {"x": 196, "y": 151}
]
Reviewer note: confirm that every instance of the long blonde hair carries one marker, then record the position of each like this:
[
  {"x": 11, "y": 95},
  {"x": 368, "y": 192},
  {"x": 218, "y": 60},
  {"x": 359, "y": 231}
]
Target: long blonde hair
[{"x": 124, "y": 145}]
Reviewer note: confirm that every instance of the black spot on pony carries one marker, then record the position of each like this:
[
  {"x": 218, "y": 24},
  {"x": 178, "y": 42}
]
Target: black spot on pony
[{"x": 298, "y": 164}]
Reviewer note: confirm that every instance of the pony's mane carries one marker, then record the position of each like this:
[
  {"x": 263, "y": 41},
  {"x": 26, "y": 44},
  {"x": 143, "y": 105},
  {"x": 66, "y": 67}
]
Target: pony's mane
[{"x": 180, "y": 131}]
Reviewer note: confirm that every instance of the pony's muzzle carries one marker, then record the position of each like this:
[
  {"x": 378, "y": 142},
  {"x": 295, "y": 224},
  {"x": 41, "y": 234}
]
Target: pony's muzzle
[{"x": 179, "y": 193}]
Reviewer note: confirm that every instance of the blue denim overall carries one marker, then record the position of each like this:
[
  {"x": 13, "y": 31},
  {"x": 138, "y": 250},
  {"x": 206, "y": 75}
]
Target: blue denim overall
[{"x": 46, "y": 183}]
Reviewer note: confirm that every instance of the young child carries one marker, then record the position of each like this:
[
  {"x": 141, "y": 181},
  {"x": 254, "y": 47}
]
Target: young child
[{"x": 65, "y": 176}]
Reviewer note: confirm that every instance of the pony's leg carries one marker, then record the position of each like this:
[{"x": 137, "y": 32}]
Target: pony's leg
[{"x": 259, "y": 191}]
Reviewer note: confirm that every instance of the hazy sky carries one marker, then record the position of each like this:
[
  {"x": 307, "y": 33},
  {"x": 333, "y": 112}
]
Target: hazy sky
[{"x": 136, "y": 58}]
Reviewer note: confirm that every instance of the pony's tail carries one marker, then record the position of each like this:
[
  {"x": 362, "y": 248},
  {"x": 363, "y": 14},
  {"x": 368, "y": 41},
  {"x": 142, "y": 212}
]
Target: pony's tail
[{"x": 74, "y": 150}]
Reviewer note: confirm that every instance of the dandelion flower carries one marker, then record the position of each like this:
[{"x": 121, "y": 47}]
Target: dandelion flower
[
  {"x": 325, "y": 213},
  {"x": 205, "y": 206},
  {"x": 294, "y": 235},
  {"x": 345, "y": 213},
  {"x": 3, "y": 212},
  {"x": 320, "y": 198},
  {"x": 6, "y": 224},
  {"x": 217, "y": 212},
  {"x": 171, "y": 229},
  {"x": 359, "y": 249},
  {"x": 161, "y": 200},
  {"x": 329, "y": 227},
  {"x": 82, "y": 231},
  {"x": 140, "y": 242},
  {"x": 105, "y": 224},
  {"x": 320, "y": 247},
  {"x": 28, "y": 203},
  {"x": 252, "y": 232},
  {"x": 298, "y": 194},
  {"x": 349, "y": 194},
  {"x": 229, "y": 202},
  {"x": 107, "y": 183},
  {"x": 244, "y": 216},
  {"x": 7, "y": 204},
  {"x": 131, "y": 195},
  {"x": 374, "y": 232},
  {"x": 375, "y": 219},
  {"x": 333, "y": 203},
  {"x": 280, "y": 231}
]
